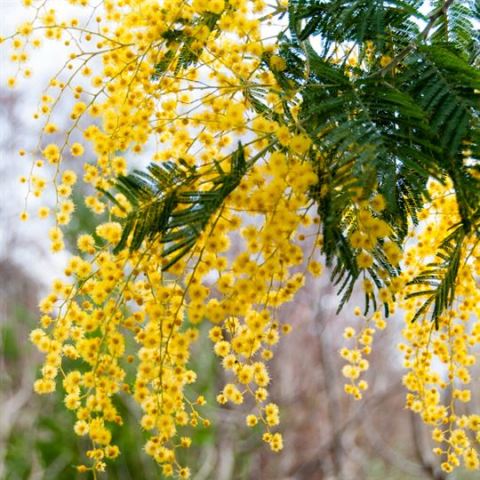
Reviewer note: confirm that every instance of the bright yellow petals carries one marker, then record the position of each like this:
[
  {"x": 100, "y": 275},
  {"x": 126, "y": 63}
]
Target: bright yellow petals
[
  {"x": 77, "y": 150},
  {"x": 300, "y": 144},
  {"x": 52, "y": 153},
  {"x": 277, "y": 63},
  {"x": 315, "y": 268},
  {"x": 378, "y": 203},
  {"x": 393, "y": 253},
  {"x": 364, "y": 260},
  {"x": 213, "y": 6},
  {"x": 50, "y": 128},
  {"x": 43, "y": 212}
]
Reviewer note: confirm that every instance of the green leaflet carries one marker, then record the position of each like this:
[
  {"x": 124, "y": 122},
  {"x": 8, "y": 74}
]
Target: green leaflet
[
  {"x": 406, "y": 115},
  {"x": 167, "y": 208}
]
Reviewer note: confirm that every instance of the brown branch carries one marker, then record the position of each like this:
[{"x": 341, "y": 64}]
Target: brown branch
[{"x": 370, "y": 402}]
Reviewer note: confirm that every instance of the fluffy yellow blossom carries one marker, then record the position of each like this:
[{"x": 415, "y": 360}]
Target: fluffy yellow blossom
[
  {"x": 124, "y": 320},
  {"x": 300, "y": 144},
  {"x": 52, "y": 153},
  {"x": 277, "y": 63},
  {"x": 364, "y": 260},
  {"x": 77, "y": 150}
]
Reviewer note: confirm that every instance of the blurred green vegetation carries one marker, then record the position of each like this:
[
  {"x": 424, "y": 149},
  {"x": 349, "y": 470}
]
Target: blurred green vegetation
[{"x": 42, "y": 440}]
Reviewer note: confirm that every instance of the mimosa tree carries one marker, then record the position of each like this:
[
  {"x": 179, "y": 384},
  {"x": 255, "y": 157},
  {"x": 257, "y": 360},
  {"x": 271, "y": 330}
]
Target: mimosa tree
[{"x": 312, "y": 134}]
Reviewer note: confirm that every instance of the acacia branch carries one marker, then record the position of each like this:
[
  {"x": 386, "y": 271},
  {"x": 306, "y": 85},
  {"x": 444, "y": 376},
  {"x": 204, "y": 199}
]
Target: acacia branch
[{"x": 433, "y": 17}]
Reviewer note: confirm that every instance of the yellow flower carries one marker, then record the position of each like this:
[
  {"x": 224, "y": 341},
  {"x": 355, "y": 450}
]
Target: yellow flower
[
  {"x": 349, "y": 332},
  {"x": 251, "y": 420},
  {"x": 50, "y": 128},
  {"x": 378, "y": 203},
  {"x": 77, "y": 150},
  {"x": 277, "y": 63},
  {"x": 52, "y": 153},
  {"x": 300, "y": 144},
  {"x": 364, "y": 260}
]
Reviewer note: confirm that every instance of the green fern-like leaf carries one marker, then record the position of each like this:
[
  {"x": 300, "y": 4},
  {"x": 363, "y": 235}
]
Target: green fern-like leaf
[
  {"x": 355, "y": 21},
  {"x": 456, "y": 25},
  {"x": 439, "y": 277},
  {"x": 166, "y": 205}
]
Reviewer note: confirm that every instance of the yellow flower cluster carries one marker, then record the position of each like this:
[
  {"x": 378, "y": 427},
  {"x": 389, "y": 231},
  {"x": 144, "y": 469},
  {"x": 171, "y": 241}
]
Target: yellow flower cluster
[
  {"x": 369, "y": 233},
  {"x": 357, "y": 362},
  {"x": 439, "y": 360},
  {"x": 370, "y": 228},
  {"x": 160, "y": 79},
  {"x": 183, "y": 81}
]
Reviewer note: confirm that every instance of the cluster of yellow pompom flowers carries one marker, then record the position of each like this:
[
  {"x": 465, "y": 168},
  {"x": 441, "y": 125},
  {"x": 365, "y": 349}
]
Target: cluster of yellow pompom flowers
[
  {"x": 440, "y": 359},
  {"x": 143, "y": 99},
  {"x": 182, "y": 81}
]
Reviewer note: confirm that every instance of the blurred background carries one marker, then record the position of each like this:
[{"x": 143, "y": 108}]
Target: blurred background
[{"x": 327, "y": 435}]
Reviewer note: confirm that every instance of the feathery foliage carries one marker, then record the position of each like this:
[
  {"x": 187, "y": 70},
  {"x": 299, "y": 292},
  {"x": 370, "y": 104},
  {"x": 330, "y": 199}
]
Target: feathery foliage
[
  {"x": 166, "y": 204},
  {"x": 439, "y": 276},
  {"x": 404, "y": 112},
  {"x": 389, "y": 99}
]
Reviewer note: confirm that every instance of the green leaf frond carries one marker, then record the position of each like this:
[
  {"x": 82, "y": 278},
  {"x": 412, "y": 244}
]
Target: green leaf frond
[
  {"x": 168, "y": 206},
  {"x": 356, "y": 21},
  {"x": 405, "y": 111},
  {"x": 457, "y": 25},
  {"x": 439, "y": 277},
  {"x": 444, "y": 84}
]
